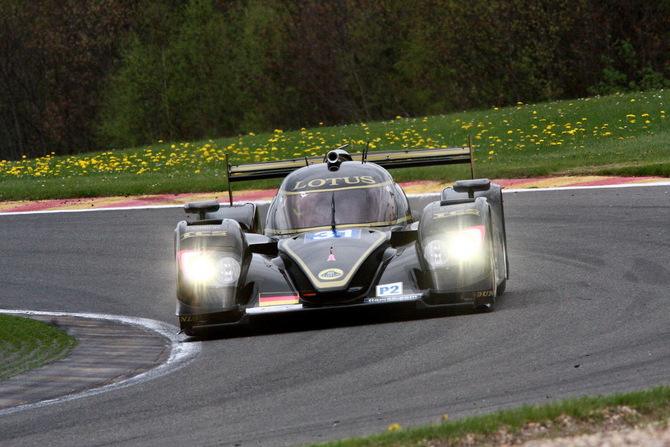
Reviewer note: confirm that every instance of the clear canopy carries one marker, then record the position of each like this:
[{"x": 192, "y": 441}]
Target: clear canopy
[{"x": 380, "y": 205}]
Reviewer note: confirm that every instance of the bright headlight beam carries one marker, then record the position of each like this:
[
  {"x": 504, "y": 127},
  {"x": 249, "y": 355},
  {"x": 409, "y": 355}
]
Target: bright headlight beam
[
  {"x": 455, "y": 246},
  {"x": 197, "y": 266},
  {"x": 465, "y": 244},
  {"x": 213, "y": 268}
]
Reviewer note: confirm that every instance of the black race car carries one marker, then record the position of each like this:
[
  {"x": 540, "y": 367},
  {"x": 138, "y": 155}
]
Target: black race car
[{"x": 340, "y": 234}]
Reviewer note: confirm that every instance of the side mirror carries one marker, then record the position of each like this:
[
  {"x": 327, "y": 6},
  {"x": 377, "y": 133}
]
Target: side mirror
[
  {"x": 202, "y": 208},
  {"x": 471, "y": 186}
]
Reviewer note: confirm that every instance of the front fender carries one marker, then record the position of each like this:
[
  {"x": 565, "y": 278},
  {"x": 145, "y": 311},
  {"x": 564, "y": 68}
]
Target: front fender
[
  {"x": 456, "y": 247},
  {"x": 211, "y": 262}
]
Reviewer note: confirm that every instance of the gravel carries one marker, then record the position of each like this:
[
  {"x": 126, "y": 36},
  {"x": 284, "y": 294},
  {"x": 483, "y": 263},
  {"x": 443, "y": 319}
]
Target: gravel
[
  {"x": 617, "y": 427},
  {"x": 652, "y": 436}
]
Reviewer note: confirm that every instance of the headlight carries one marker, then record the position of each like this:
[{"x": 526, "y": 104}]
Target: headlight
[
  {"x": 229, "y": 270},
  {"x": 211, "y": 268},
  {"x": 435, "y": 253},
  {"x": 198, "y": 267},
  {"x": 465, "y": 244},
  {"x": 455, "y": 246}
]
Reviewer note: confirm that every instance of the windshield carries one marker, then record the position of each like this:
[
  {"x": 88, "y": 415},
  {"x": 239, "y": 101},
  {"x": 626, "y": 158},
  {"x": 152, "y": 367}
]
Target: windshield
[{"x": 312, "y": 209}]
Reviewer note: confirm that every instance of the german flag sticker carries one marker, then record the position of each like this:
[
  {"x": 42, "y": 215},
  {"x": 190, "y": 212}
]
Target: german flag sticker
[{"x": 277, "y": 300}]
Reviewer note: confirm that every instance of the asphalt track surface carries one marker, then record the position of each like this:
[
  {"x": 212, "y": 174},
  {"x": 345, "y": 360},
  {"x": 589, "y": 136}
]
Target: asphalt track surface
[{"x": 587, "y": 311}]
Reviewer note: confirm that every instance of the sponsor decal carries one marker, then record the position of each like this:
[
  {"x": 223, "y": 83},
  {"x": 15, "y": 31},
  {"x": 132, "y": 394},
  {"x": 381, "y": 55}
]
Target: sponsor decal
[
  {"x": 484, "y": 294},
  {"x": 273, "y": 309},
  {"x": 330, "y": 274},
  {"x": 441, "y": 215},
  {"x": 277, "y": 300},
  {"x": 389, "y": 289},
  {"x": 191, "y": 234},
  {"x": 334, "y": 181},
  {"x": 354, "y": 233},
  {"x": 391, "y": 299}
]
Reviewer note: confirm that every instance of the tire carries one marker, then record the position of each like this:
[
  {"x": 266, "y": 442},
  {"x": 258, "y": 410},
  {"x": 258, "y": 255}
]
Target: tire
[
  {"x": 501, "y": 287},
  {"x": 489, "y": 305}
]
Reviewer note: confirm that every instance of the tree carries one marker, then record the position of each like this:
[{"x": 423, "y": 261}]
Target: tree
[{"x": 53, "y": 56}]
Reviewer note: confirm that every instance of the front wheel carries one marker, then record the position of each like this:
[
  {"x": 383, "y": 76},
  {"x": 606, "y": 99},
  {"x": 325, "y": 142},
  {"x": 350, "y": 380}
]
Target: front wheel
[
  {"x": 485, "y": 303},
  {"x": 501, "y": 287},
  {"x": 187, "y": 330}
]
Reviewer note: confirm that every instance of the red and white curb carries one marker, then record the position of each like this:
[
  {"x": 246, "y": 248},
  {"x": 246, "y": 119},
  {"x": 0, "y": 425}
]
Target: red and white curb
[
  {"x": 181, "y": 354},
  {"x": 411, "y": 188}
]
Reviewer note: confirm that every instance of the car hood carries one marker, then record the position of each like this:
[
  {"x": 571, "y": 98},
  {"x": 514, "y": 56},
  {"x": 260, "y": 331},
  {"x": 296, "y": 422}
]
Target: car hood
[{"x": 331, "y": 258}]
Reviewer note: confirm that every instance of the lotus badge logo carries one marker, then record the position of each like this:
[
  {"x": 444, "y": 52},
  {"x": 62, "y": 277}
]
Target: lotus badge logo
[{"x": 329, "y": 274}]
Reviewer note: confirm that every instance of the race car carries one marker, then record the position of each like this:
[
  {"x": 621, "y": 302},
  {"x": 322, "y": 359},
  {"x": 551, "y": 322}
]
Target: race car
[{"x": 340, "y": 234}]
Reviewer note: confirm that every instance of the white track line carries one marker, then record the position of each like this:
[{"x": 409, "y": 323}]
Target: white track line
[
  {"x": 505, "y": 190},
  {"x": 559, "y": 188},
  {"x": 569, "y": 188},
  {"x": 181, "y": 354}
]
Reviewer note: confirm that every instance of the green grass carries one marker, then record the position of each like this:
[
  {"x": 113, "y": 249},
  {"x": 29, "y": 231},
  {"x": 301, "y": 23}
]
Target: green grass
[
  {"x": 622, "y": 134},
  {"x": 26, "y": 344},
  {"x": 566, "y": 418}
]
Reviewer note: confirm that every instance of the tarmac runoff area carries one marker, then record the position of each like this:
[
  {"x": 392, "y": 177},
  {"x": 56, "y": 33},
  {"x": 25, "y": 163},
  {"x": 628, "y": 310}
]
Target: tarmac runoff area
[
  {"x": 115, "y": 351},
  {"x": 418, "y": 187}
]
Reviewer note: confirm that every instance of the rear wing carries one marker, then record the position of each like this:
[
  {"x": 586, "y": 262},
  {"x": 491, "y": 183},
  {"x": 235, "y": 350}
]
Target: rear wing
[{"x": 388, "y": 160}]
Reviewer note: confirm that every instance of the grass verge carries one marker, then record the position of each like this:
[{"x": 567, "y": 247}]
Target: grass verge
[
  {"x": 26, "y": 344},
  {"x": 622, "y": 134},
  {"x": 571, "y": 417}
]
